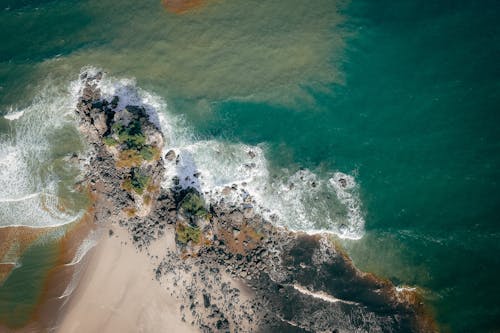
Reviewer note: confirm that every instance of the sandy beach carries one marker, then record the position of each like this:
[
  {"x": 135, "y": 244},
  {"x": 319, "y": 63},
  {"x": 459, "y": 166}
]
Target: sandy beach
[
  {"x": 117, "y": 292},
  {"x": 166, "y": 259}
]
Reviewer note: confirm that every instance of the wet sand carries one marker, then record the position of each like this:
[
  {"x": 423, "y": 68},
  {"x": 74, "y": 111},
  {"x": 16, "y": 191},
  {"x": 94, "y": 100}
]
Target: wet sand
[
  {"x": 40, "y": 313},
  {"x": 276, "y": 281}
]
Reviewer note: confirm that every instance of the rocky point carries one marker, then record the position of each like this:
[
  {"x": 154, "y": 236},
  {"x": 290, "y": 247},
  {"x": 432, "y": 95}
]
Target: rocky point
[{"x": 234, "y": 271}]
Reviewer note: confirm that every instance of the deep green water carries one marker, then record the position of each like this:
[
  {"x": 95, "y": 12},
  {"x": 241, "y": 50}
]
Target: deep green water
[{"x": 402, "y": 94}]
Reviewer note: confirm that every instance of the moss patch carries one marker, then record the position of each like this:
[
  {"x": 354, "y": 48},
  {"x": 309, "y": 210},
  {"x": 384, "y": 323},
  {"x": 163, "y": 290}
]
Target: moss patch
[
  {"x": 109, "y": 141},
  {"x": 129, "y": 158},
  {"x": 130, "y": 211},
  {"x": 131, "y": 135},
  {"x": 193, "y": 204},
  {"x": 147, "y": 153},
  {"x": 137, "y": 182},
  {"x": 245, "y": 240},
  {"x": 133, "y": 142},
  {"x": 186, "y": 233}
]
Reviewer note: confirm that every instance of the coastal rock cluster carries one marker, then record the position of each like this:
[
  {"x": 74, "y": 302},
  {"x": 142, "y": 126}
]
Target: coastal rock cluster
[{"x": 233, "y": 270}]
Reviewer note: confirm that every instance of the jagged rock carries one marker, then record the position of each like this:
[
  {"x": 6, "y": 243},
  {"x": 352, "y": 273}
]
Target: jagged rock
[
  {"x": 206, "y": 300},
  {"x": 292, "y": 282},
  {"x": 248, "y": 212},
  {"x": 170, "y": 155}
]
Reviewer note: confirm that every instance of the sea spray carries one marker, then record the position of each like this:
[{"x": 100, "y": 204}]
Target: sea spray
[
  {"x": 239, "y": 173},
  {"x": 33, "y": 171}
]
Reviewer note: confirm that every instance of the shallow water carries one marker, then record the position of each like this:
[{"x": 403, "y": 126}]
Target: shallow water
[
  {"x": 22, "y": 291},
  {"x": 403, "y": 96}
]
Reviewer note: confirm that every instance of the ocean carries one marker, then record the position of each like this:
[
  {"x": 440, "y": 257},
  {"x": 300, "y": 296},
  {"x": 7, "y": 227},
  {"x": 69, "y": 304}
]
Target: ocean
[{"x": 397, "y": 98}]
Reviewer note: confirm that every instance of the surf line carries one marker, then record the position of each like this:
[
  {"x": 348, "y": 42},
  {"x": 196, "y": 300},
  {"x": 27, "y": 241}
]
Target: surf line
[
  {"x": 320, "y": 295},
  {"x": 26, "y": 197}
]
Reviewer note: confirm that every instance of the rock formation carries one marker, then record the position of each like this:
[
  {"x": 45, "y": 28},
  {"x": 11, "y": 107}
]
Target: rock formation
[{"x": 234, "y": 270}]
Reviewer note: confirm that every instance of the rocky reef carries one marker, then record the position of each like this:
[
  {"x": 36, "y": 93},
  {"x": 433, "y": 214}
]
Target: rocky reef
[{"x": 233, "y": 270}]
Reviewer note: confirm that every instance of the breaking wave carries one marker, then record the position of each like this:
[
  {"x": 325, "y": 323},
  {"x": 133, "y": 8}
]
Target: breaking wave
[
  {"x": 239, "y": 173},
  {"x": 233, "y": 172},
  {"x": 32, "y": 166}
]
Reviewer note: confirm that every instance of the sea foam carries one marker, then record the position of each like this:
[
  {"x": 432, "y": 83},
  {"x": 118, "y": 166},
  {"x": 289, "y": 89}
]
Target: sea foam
[
  {"x": 239, "y": 173},
  {"x": 88, "y": 244},
  {"x": 30, "y": 186},
  {"x": 14, "y": 115}
]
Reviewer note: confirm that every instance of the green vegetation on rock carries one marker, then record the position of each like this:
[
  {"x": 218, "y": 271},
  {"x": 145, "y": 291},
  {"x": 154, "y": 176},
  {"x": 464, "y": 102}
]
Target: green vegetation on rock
[
  {"x": 186, "y": 233},
  {"x": 130, "y": 135},
  {"x": 137, "y": 182},
  {"x": 193, "y": 204},
  {"x": 132, "y": 141},
  {"x": 129, "y": 158},
  {"x": 147, "y": 153},
  {"x": 109, "y": 141}
]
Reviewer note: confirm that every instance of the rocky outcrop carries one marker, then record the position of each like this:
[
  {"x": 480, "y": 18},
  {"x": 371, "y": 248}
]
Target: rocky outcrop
[
  {"x": 234, "y": 271},
  {"x": 125, "y": 168}
]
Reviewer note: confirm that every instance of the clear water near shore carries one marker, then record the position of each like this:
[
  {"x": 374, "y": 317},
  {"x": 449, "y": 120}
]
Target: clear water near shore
[
  {"x": 400, "y": 95},
  {"x": 23, "y": 289}
]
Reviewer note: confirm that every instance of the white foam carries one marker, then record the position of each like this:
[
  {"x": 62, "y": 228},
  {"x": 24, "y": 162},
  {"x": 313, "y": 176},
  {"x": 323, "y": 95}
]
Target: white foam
[
  {"x": 346, "y": 190},
  {"x": 87, "y": 244},
  {"x": 216, "y": 165},
  {"x": 321, "y": 295},
  {"x": 238, "y": 174},
  {"x": 401, "y": 289},
  {"x": 23, "y": 198},
  {"x": 128, "y": 94},
  {"x": 14, "y": 115},
  {"x": 302, "y": 201},
  {"x": 28, "y": 184}
]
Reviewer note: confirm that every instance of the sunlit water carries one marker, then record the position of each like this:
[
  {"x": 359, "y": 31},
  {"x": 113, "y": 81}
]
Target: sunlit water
[{"x": 399, "y": 99}]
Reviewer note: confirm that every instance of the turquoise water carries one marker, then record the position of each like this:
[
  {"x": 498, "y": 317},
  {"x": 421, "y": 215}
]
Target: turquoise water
[
  {"x": 403, "y": 95},
  {"x": 417, "y": 119}
]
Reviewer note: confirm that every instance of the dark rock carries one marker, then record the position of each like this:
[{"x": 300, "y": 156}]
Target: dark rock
[
  {"x": 272, "y": 264},
  {"x": 206, "y": 300},
  {"x": 222, "y": 324},
  {"x": 115, "y": 101},
  {"x": 170, "y": 155},
  {"x": 343, "y": 182}
]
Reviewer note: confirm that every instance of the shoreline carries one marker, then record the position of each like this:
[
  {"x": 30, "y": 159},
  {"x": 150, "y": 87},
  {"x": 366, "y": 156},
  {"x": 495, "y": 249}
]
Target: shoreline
[
  {"x": 168, "y": 259},
  {"x": 40, "y": 315},
  {"x": 113, "y": 290},
  {"x": 229, "y": 268}
]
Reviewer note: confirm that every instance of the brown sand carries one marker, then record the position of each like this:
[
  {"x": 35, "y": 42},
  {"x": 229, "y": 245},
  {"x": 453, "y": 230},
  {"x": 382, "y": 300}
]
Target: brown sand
[
  {"x": 15, "y": 240},
  {"x": 117, "y": 293}
]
